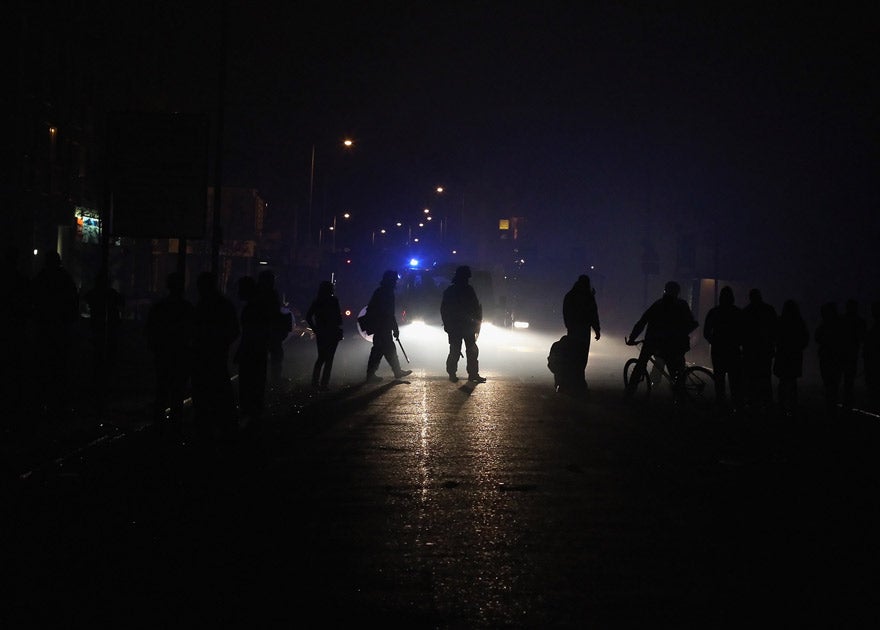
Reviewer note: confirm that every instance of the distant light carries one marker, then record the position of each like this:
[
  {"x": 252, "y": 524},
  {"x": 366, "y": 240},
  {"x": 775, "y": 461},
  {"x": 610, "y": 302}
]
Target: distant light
[
  {"x": 263, "y": 262},
  {"x": 331, "y": 228},
  {"x": 348, "y": 261},
  {"x": 427, "y": 211},
  {"x": 346, "y": 215},
  {"x": 35, "y": 252},
  {"x": 413, "y": 262},
  {"x": 348, "y": 312},
  {"x": 592, "y": 266},
  {"x": 348, "y": 142},
  {"x": 416, "y": 240},
  {"x": 454, "y": 251},
  {"x": 428, "y": 218},
  {"x": 520, "y": 324},
  {"x": 421, "y": 225},
  {"x": 382, "y": 230}
]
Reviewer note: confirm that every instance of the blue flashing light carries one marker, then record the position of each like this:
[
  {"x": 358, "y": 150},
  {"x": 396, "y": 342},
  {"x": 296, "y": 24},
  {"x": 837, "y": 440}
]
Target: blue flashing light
[{"x": 413, "y": 262}]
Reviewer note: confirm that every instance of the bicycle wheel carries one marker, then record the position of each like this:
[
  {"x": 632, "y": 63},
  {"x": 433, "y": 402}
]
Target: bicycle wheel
[
  {"x": 641, "y": 388},
  {"x": 698, "y": 386}
]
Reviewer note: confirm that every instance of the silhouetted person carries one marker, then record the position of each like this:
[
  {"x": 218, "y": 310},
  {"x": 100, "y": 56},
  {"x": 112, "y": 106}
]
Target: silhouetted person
[
  {"x": 382, "y": 313},
  {"x": 15, "y": 313},
  {"x": 324, "y": 316},
  {"x": 580, "y": 314},
  {"x": 55, "y": 314},
  {"x": 280, "y": 325},
  {"x": 723, "y": 329},
  {"x": 758, "y": 345},
  {"x": 854, "y": 329},
  {"x": 667, "y": 323},
  {"x": 788, "y": 363},
  {"x": 105, "y": 318},
  {"x": 252, "y": 354},
  {"x": 831, "y": 341},
  {"x": 216, "y": 327},
  {"x": 462, "y": 316},
  {"x": 871, "y": 353},
  {"x": 169, "y": 331}
]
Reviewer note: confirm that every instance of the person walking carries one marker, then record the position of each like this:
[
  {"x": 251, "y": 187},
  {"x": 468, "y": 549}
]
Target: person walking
[
  {"x": 252, "y": 353},
  {"x": 462, "y": 317},
  {"x": 169, "y": 333},
  {"x": 324, "y": 316},
  {"x": 55, "y": 301},
  {"x": 216, "y": 327},
  {"x": 381, "y": 313},
  {"x": 831, "y": 347},
  {"x": 105, "y": 319},
  {"x": 788, "y": 362},
  {"x": 279, "y": 322},
  {"x": 580, "y": 314},
  {"x": 759, "y": 342},
  {"x": 723, "y": 329},
  {"x": 667, "y": 323},
  {"x": 855, "y": 329}
]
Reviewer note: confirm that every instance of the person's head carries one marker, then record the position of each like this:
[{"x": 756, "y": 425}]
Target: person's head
[
  {"x": 755, "y": 296},
  {"x": 206, "y": 283},
  {"x": 325, "y": 289},
  {"x": 583, "y": 283},
  {"x": 462, "y": 274},
  {"x": 725, "y": 297},
  {"x": 174, "y": 282},
  {"x": 267, "y": 279},
  {"x": 672, "y": 289},
  {"x": 389, "y": 278},
  {"x": 790, "y": 310},
  {"x": 247, "y": 288}
]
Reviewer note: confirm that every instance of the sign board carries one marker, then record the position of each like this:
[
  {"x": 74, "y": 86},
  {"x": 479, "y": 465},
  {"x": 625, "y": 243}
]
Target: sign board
[{"x": 158, "y": 174}]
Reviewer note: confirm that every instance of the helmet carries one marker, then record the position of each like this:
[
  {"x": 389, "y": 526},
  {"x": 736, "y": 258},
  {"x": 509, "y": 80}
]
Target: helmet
[{"x": 462, "y": 273}]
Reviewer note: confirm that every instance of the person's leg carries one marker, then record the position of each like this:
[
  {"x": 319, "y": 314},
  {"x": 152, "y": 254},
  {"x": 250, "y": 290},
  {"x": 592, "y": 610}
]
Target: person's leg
[
  {"x": 472, "y": 355},
  {"x": 454, "y": 354}
]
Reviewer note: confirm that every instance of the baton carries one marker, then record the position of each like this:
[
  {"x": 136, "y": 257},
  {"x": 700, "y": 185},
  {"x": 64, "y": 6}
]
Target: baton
[{"x": 402, "y": 350}]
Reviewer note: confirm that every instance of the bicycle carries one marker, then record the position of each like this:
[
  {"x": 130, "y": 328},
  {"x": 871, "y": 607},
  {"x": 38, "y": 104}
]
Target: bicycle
[{"x": 695, "y": 385}]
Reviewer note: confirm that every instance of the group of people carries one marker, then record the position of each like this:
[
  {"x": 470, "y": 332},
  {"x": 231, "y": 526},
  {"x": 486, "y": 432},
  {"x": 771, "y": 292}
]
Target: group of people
[
  {"x": 460, "y": 311},
  {"x": 751, "y": 345},
  {"x": 191, "y": 344}
]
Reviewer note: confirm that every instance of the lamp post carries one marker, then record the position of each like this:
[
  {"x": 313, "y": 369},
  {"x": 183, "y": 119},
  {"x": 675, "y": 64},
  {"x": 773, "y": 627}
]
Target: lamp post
[{"x": 347, "y": 143}]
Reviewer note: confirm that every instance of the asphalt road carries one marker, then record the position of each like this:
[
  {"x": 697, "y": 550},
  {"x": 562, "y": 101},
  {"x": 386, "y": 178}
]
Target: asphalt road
[{"x": 429, "y": 504}]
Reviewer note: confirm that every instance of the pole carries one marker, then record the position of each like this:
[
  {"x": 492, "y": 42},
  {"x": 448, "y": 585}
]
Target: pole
[{"x": 216, "y": 235}]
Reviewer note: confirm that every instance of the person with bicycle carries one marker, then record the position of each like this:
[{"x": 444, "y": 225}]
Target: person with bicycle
[{"x": 667, "y": 324}]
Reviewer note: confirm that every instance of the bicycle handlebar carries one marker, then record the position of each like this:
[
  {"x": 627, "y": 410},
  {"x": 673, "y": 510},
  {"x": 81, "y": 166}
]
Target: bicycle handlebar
[{"x": 630, "y": 342}]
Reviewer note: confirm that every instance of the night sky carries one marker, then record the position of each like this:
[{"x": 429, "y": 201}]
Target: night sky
[{"x": 750, "y": 127}]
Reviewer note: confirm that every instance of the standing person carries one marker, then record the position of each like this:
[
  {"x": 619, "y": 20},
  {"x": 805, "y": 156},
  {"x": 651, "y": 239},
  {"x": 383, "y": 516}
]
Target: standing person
[
  {"x": 830, "y": 339},
  {"x": 15, "y": 313},
  {"x": 280, "y": 325},
  {"x": 667, "y": 323},
  {"x": 324, "y": 316},
  {"x": 854, "y": 330},
  {"x": 215, "y": 328},
  {"x": 252, "y": 354},
  {"x": 381, "y": 311},
  {"x": 580, "y": 314},
  {"x": 169, "y": 333},
  {"x": 871, "y": 354},
  {"x": 723, "y": 330},
  {"x": 788, "y": 363},
  {"x": 759, "y": 343},
  {"x": 105, "y": 318},
  {"x": 462, "y": 316},
  {"x": 55, "y": 301}
]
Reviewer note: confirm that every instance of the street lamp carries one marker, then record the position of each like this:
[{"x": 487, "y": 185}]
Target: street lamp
[{"x": 347, "y": 143}]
